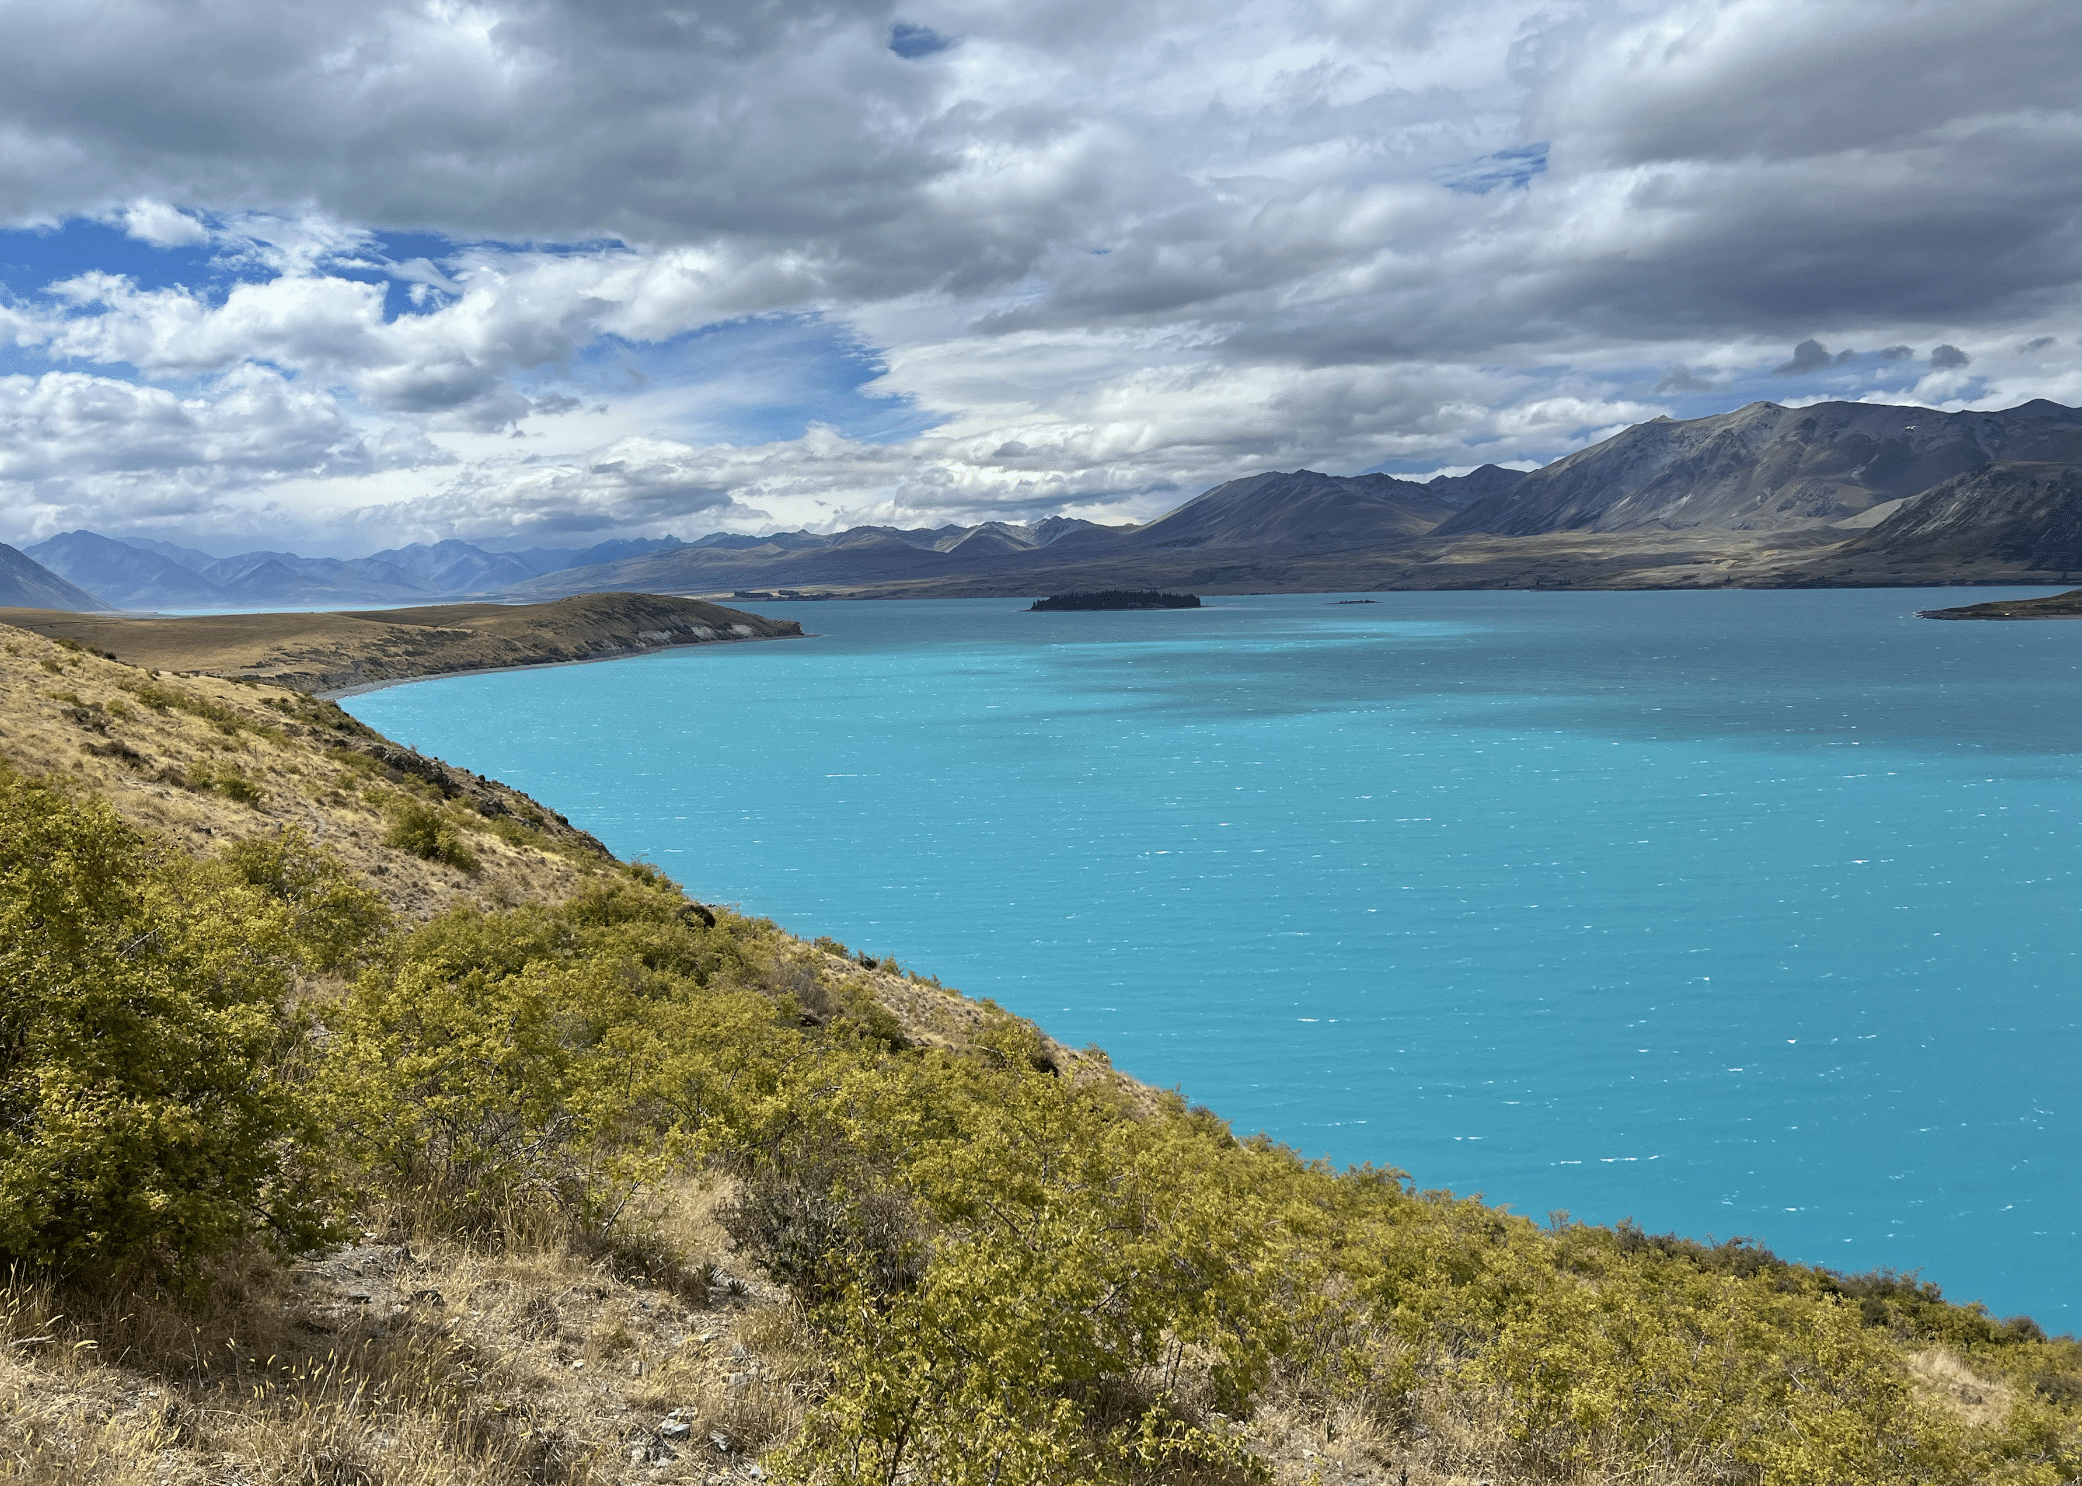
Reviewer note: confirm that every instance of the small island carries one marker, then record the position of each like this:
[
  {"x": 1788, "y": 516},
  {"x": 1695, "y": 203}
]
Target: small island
[
  {"x": 1115, "y": 598},
  {"x": 2054, "y": 606}
]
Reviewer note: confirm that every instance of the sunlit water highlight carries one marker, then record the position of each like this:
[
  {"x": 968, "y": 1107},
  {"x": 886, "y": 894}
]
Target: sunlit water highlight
[{"x": 1738, "y": 913}]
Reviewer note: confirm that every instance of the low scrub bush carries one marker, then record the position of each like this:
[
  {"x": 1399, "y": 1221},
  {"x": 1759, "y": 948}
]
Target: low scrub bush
[
  {"x": 428, "y": 832},
  {"x": 222, "y": 779},
  {"x": 151, "y": 1113},
  {"x": 551, "y": 1059}
]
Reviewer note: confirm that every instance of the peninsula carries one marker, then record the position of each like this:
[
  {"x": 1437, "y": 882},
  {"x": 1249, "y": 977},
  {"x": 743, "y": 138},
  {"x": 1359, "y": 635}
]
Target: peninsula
[
  {"x": 2053, "y": 606},
  {"x": 343, "y": 651}
]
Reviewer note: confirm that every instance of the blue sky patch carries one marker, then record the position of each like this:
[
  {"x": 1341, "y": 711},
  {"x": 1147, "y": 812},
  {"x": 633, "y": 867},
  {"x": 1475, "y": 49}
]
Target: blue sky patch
[
  {"x": 751, "y": 381},
  {"x": 1515, "y": 166},
  {"x": 32, "y": 259},
  {"x": 912, "y": 42}
]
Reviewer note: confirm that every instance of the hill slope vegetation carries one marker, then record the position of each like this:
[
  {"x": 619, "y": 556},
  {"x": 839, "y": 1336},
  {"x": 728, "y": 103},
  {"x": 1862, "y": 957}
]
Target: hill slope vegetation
[{"x": 366, "y": 1123}]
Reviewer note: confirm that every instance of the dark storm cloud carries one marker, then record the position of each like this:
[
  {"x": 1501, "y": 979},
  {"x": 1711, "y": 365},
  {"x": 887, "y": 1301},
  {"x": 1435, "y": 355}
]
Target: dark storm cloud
[
  {"x": 912, "y": 42},
  {"x": 1811, "y": 356},
  {"x": 1764, "y": 159},
  {"x": 518, "y": 120}
]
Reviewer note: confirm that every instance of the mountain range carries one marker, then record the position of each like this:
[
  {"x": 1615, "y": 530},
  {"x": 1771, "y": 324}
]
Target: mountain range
[
  {"x": 142, "y": 573},
  {"x": 1765, "y": 496}
]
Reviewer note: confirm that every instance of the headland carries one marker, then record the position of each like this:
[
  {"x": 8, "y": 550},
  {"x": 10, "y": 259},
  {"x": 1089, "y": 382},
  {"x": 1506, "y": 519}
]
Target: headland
[
  {"x": 2053, "y": 606},
  {"x": 341, "y": 651}
]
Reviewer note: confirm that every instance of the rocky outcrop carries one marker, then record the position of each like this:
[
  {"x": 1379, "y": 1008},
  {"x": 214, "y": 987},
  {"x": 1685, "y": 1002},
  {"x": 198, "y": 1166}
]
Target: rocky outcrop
[{"x": 2054, "y": 606}]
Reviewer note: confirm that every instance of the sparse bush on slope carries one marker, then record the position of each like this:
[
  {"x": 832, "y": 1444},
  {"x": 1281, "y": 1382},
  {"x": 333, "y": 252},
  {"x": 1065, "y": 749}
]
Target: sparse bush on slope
[
  {"x": 150, "y": 1109},
  {"x": 426, "y": 832}
]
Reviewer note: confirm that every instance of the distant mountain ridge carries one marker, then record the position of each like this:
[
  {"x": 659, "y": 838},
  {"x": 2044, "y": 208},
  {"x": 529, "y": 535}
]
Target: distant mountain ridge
[
  {"x": 727, "y": 561},
  {"x": 1303, "y": 512},
  {"x": 144, "y": 573},
  {"x": 27, "y": 584},
  {"x": 1767, "y": 468},
  {"x": 1763, "y": 496}
]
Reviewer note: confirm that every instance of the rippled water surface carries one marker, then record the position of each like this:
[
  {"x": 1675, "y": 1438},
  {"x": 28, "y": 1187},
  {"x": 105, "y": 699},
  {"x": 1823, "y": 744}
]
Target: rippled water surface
[{"x": 1738, "y": 913}]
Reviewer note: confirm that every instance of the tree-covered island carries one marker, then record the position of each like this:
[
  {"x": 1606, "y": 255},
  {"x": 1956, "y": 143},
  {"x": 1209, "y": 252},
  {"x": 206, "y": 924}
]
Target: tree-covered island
[{"x": 1115, "y": 598}]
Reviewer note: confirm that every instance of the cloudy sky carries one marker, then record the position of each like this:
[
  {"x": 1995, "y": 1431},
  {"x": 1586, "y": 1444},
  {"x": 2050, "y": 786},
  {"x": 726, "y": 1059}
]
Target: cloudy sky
[{"x": 335, "y": 276}]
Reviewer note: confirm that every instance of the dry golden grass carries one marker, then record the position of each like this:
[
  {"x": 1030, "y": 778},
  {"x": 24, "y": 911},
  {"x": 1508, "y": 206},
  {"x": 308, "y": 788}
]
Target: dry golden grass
[
  {"x": 69, "y": 712},
  {"x": 1942, "y": 1377},
  {"x": 518, "y": 1364}
]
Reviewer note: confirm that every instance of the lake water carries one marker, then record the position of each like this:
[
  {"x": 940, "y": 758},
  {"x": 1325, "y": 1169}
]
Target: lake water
[{"x": 1733, "y": 912}]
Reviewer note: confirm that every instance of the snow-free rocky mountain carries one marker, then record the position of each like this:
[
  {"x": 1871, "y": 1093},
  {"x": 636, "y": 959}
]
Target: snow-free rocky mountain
[
  {"x": 1765, "y": 496},
  {"x": 1272, "y": 515},
  {"x": 27, "y": 584},
  {"x": 1765, "y": 468}
]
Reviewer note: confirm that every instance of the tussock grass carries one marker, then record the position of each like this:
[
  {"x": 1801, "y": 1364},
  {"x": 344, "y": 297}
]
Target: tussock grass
[{"x": 518, "y": 1361}]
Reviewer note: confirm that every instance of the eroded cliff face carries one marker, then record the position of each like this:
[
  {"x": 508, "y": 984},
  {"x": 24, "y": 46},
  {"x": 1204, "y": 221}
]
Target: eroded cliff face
[{"x": 2022, "y": 513}]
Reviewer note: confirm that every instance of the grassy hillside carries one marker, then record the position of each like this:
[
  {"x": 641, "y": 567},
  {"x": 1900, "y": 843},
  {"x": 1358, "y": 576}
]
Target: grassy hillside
[{"x": 361, "y": 1122}]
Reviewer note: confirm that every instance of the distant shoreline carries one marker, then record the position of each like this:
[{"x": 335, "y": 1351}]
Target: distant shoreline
[{"x": 332, "y": 653}]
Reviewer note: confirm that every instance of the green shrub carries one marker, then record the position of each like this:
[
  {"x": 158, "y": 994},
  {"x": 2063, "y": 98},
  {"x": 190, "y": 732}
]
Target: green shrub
[
  {"x": 550, "y": 1059},
  {"x": 334, "y": 922},
  {"x": 427, "y": 832},
  {"x": 146, "y": 1115}
]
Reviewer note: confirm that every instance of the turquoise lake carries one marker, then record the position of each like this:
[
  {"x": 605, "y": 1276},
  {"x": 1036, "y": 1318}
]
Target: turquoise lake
[{"x": 1733, "y": 912}]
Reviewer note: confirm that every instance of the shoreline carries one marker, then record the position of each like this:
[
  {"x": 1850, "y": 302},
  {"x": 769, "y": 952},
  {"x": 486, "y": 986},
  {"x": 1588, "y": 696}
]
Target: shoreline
[{"x": 362, "y": 687}]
